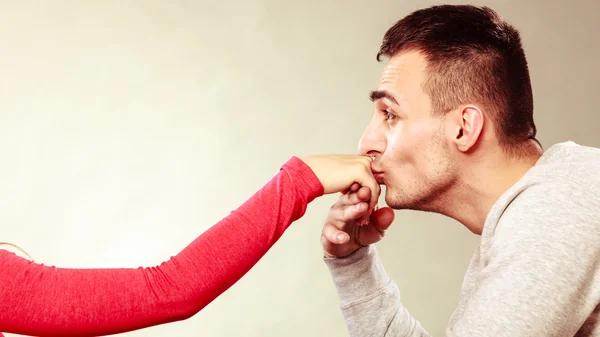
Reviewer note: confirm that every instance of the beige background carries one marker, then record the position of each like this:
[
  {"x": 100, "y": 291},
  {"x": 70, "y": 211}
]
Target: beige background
[{"x": 128, "y": 128}]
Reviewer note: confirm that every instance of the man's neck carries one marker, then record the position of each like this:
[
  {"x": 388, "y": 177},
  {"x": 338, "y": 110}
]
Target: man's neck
[{"x": 483, "y": 183}]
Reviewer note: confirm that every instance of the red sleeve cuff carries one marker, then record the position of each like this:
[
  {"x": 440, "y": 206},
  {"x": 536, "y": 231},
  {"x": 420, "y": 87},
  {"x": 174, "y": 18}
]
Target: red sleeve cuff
[{"x": 306, "y": 182}]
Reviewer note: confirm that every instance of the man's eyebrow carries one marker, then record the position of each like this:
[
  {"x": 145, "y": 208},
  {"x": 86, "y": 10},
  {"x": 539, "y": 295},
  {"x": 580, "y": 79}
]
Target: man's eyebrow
[{"x": 378, "y": 94}]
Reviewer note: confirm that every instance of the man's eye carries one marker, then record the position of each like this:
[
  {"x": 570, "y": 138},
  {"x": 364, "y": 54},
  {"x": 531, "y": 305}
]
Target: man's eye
[{"x": 388, "y": 114}]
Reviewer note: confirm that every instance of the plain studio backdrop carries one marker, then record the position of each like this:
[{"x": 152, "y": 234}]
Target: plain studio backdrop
[{"x": 130, "y": 127}]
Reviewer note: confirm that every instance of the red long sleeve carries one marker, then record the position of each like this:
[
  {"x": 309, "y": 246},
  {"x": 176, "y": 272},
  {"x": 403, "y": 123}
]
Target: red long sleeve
[{"x": 48, "y": 301}]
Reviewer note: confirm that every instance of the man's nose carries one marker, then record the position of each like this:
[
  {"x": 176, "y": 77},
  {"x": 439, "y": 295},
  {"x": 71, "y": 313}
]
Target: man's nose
[{"x": 372, "y": 142}]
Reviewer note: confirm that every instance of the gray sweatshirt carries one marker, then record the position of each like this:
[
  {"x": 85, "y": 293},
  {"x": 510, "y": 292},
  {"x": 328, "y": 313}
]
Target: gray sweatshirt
[{"x": 536, "y": 271}]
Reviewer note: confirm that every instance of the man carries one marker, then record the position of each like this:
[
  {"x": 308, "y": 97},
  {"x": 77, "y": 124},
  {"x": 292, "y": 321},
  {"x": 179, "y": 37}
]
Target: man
[{"x": 453, "y": 133}]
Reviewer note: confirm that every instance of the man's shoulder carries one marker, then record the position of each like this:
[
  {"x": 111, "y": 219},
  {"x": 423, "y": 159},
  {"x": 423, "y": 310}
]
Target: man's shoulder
[
  {"x": 548, "y": 215},
  {"x": 565, "y": 180},
  {"x": 564, "y": 204},
  {"x": 568, "y": 165}
]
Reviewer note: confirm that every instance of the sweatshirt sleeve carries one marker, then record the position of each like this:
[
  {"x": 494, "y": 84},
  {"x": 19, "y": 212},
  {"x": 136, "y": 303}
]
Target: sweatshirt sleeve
[
  {"x": 48, "y": 301},
  {"x": 369, "y": 299}
]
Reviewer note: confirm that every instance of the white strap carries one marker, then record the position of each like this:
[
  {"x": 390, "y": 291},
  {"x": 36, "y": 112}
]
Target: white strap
[{"x": 15, "y": 249}]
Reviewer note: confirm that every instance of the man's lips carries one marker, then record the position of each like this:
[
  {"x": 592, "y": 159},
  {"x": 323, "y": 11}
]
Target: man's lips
[{"x": 377, "y": 174}]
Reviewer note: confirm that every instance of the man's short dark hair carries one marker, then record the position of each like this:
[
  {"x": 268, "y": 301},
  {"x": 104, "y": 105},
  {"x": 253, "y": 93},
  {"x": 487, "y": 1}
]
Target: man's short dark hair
[{"x": 473, "y": 56}]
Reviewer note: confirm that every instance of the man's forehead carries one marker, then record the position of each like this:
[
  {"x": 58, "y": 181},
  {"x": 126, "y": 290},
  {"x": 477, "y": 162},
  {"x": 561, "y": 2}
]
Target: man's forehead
[{"x": 405, "y": 66}]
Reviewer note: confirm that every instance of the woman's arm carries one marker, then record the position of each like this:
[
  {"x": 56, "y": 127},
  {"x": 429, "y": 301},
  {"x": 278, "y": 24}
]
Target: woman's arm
[{"x": 49, "y": 301}]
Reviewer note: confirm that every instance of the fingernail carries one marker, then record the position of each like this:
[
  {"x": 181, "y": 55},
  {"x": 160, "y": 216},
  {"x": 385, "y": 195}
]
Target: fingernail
[{"x": 340, "y": 237}]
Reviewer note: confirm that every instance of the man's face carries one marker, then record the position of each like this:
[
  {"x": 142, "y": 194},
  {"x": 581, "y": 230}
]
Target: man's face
[{"x": 407, "y": 139}]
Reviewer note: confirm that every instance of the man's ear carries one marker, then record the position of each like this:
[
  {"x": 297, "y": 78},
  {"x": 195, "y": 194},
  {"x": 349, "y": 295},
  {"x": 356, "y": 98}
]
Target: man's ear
[{"x": 467, "y": 124}]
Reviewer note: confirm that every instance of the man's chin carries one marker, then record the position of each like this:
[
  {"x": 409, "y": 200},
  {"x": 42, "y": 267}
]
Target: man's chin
[
  {"x": 389, "y": 201},
  {"x": 394, "y": 204},
  {"x": 397, "y": 202}
]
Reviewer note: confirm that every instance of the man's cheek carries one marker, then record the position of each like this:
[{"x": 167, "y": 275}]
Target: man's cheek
[{"x": 399, "y": 149}]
